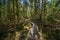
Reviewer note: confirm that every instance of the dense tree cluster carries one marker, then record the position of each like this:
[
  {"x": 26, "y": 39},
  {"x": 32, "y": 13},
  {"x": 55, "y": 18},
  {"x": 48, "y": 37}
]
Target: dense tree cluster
[{"x": 15, "y": 14}]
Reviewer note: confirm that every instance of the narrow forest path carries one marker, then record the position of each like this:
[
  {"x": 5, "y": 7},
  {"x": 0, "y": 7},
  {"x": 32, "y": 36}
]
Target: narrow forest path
[{"x": 33, "y": 33}]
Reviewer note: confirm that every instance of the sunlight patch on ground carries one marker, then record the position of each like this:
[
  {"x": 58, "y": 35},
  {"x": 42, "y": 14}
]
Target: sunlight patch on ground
[{"x": 17, "y": 36}]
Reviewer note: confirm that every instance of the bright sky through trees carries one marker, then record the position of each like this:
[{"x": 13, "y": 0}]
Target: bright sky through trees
[
  {"x": 49, "y": 0},
  {"x": 22, "y": 1}
]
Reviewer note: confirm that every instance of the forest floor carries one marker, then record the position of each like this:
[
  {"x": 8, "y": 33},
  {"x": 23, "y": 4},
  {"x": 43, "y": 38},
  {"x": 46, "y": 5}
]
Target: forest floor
[{"x": 18, "y": 36}]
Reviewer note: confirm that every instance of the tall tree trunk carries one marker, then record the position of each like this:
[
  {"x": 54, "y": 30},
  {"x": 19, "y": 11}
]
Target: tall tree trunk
[
  {"x": 35, "y": 7},
  {"x": 43, "y": 15},
  {"x": 17, "y": 7},
  {"x": 0, "y": 10},
  {"x": 43, "y": 9}
]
